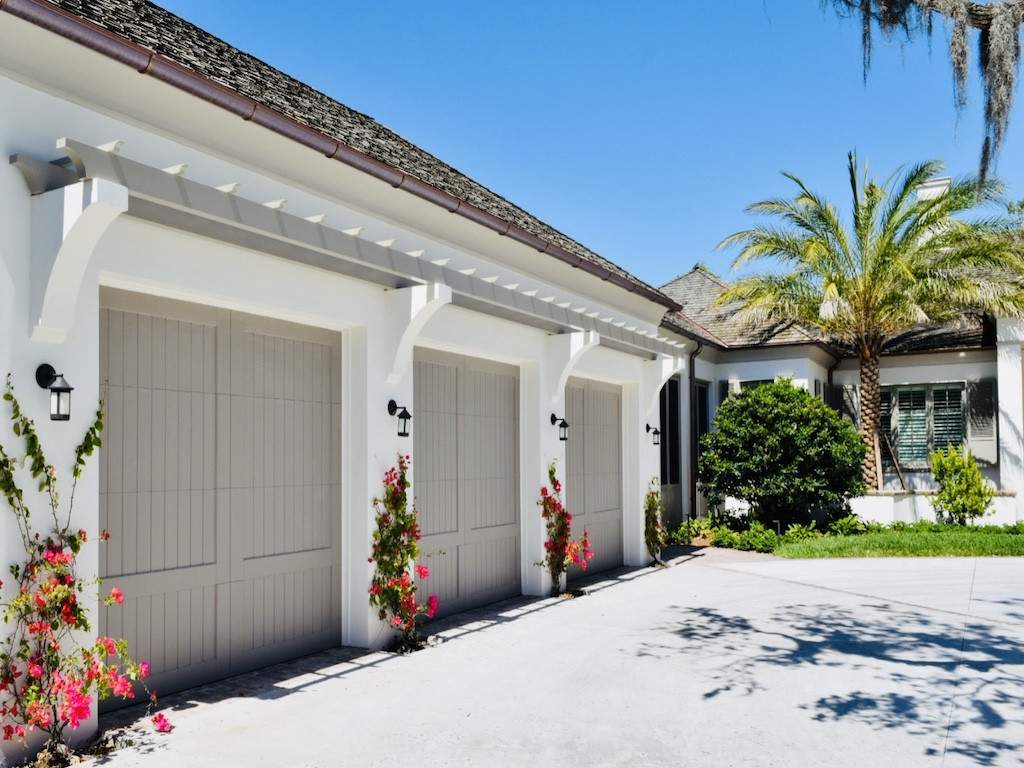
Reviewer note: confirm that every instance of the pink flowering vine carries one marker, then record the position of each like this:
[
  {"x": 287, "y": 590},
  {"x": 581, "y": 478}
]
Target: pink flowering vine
[
  {"x": 560, "y": 550},
  {"x": 47, "y": 679},
  {"x": 395, "y": 548}
]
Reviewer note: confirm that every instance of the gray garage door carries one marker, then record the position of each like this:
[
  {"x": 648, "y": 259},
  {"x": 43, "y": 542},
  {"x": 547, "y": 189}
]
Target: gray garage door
[
  {"x": 466, "y": 477},
  {"x": 594, "y": 469},
  {"x": 220, "y": 486}
]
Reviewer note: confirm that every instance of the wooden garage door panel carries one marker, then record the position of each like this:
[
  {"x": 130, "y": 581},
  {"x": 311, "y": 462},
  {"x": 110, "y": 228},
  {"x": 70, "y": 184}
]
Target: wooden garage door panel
[
  {"x": 220, "y": 484},
  {"x": 594, "y": 469},
  {"x": 466, "y": 478},
  {"x": 436, "y": 470}
]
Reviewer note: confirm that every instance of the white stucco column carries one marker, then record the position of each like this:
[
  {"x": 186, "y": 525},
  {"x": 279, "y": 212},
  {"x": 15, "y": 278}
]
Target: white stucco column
[
  {"x": 376, "y": 368},
  {"x": 1010, "y": 387},
  {"x": 640, "y": 457},
  {"x": 542, "y": 393}
]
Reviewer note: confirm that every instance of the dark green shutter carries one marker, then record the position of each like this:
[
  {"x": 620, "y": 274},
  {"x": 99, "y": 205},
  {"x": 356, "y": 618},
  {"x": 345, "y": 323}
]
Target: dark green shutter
[
  {"x": 912, "y": 427},
  {"x": 849, "y": 402},
  {"x": 885, "y": 425},
  {"x": 947, "y": 417}
]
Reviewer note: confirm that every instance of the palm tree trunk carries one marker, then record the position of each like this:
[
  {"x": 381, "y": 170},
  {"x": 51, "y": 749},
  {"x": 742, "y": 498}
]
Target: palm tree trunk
[{"x": 870, "y": 417}]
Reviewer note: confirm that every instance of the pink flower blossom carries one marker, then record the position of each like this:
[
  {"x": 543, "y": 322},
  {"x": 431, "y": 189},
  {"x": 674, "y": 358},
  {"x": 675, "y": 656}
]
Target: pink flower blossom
[
  {"x": 75, "y": 706},
  {"x": 117, "y": 595},
  {"x": 161, "y": 723},
  {"x": 122, "y": 686},
  {"x": 35, "y": 669},
  {"x": 58, "y": 557},
  {"x": 422, "y": 571},
  {"x": 432, "y": 605},
  {"x": 144, "y": 669}
]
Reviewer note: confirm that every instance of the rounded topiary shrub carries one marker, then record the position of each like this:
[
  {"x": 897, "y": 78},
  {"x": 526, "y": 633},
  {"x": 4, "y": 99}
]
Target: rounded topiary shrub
[{"x": 784, "y": 452}]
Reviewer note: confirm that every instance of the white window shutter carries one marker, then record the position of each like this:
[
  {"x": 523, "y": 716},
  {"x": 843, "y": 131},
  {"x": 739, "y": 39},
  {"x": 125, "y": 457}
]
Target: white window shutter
[{"x": 981, "y": 421}]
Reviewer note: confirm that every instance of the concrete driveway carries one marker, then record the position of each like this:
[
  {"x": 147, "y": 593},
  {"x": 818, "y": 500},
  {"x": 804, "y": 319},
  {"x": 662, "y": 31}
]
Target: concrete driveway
[{"x": 721, "y": 660}]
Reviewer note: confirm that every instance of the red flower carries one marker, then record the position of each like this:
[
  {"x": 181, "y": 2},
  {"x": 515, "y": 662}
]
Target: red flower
[
  {"x": 422, "y": 571},
  {"x": 104, "y": 535},
  {"x": 117, "y": 595},
  {"x": 161, "y": 723},
  {"x": 432, "y": 605}
]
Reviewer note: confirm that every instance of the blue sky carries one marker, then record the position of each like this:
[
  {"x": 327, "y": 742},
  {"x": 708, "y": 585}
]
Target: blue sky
[{"x": 640, "y": 129}]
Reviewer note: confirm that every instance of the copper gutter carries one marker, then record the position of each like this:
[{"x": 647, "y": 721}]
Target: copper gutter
[{"x": 53, "y": 19}]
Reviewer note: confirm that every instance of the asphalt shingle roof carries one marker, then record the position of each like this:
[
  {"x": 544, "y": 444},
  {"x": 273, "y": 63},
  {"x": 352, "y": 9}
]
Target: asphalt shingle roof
[{"x": 164, "y": 33}]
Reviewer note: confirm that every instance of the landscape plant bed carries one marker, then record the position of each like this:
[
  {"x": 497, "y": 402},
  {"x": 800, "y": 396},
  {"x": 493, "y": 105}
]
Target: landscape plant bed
[{"x": 951, "y": 541}]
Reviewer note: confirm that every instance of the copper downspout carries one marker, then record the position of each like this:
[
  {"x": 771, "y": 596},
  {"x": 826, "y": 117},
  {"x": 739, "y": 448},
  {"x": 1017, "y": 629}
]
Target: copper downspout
[{"x": 47, "y": 16}]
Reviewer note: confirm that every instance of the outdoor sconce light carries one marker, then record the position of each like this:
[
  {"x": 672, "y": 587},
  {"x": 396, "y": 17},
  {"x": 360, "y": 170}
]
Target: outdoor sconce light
[
  {"x": 563, "y": 427},
  {"x": 655, "y": 434},
  {"x": 403, "y": 417},
  {"x": 60, "y": 391}
]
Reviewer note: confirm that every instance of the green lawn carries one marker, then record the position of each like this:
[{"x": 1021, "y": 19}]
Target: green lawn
[{"x": 908, "y": 543}]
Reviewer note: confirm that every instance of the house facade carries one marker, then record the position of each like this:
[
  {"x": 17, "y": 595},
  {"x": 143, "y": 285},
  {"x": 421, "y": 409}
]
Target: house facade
[
  {"x": 260, "y": 284},
  {"x": 955, "y": 385},
  {"x": 274, "y": 296}
]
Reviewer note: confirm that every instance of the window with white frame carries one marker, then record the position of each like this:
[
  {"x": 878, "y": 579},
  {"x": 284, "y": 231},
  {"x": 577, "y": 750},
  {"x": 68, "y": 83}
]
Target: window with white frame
[{"x": 918, "y": 419}]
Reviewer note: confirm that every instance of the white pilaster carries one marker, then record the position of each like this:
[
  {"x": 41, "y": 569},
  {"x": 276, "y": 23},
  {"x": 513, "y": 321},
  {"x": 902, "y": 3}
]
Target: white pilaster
[
  {"x": 1010, "y": 387},
  {"x": 376, "y": 368},
  {"x": 640, "y": 457},
  {"x": 542, "y": 393}
]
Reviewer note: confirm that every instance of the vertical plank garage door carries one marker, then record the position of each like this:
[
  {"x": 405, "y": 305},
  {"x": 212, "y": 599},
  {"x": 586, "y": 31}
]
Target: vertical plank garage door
[
  {"x": 594, "y": 469},
  {"x": 220, "y": 486},
  {"x": 466, "y": 477}
]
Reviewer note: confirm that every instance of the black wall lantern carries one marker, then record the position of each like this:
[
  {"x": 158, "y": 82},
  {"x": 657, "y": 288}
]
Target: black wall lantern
[
  {"x": 60, "y": 391},
  {"x": 403, "y": 417},
  {"x": 655, "y": 434},
  {"x": 563, "y": 427}
]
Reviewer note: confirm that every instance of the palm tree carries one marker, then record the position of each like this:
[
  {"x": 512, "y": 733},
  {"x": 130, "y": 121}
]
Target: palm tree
[{"x": 902, "y": 260}]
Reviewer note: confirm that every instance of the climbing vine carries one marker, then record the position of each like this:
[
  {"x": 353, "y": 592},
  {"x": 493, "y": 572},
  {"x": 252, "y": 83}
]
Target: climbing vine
[
  {"x": 47, "y": 679},
  {"x": 655, "y": 536},
  {"x": 395, "y": 547},
  {"x": 997, "y": 25},
  {"x": 560, "y": 551}
]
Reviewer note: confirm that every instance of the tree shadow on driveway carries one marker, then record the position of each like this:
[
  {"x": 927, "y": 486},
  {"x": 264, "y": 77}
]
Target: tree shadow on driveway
[{"x": 954, "y": 682}]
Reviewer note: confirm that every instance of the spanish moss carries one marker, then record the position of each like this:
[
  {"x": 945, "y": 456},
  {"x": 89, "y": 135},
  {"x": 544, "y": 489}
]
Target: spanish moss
[{"x": 996, "y": 27}]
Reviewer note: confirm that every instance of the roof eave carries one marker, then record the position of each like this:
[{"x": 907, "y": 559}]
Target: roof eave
[{"x": 147, "y": 62}]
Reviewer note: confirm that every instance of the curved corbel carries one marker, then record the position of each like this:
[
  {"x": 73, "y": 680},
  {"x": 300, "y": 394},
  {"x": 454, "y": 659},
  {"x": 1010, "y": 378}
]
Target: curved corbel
[
  {"x": 415, "y": 306},
  {"x": 563, "y": 353},
  {"x": 655, "y": 374},
  {"x": 67, "y": 224}
]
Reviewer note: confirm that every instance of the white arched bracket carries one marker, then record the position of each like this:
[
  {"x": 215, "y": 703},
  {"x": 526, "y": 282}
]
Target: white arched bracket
[
  {"x": 655, "y": 374},
  {"x": 563, "y": 352},
  {"x": 412, "y": 308},
  {"x": 67, "y": 223}
]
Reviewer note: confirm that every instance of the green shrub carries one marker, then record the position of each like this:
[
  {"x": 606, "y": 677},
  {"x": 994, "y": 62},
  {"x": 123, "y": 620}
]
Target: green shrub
[
  {"x": 784, "y": 452},
  {"x": 963, "y": 494},
  {"x": 851, "y": 525},
  {"x": 800, "y": 532},
  {"x": 757, "y": 538},
  {"x": 723, "y": 536},
  {"x": 688, "y": 530}
]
